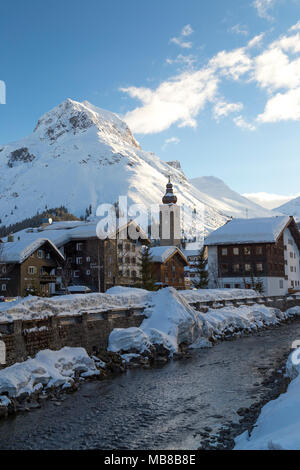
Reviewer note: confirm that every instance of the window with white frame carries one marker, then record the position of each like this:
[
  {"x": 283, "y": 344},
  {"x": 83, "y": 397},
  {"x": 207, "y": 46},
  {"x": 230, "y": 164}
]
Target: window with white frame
[
  {"x": 3, "y": 287},
  {"x": 224, "y": 252},
  {"x": 259, "y": 267},
  {"x": 236, "y": 251},
  {"x": 88, "y": 272},
  {"x": 78, "y": 246},
  {"x": 79, "y": 260},
  {"x": 41, "y": 254},
  {"x": 3, "y": 269},
  {"x": 88, "y": 259},
  {"x": 31, "y": 269}
]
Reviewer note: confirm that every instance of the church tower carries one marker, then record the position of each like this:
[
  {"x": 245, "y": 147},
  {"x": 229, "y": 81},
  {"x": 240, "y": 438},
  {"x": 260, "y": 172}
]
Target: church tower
[{"x": 169, "y": 219}]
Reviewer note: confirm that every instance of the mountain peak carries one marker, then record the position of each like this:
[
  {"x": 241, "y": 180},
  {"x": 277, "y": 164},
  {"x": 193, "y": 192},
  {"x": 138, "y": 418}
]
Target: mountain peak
[{"x": 75, "y": 117}]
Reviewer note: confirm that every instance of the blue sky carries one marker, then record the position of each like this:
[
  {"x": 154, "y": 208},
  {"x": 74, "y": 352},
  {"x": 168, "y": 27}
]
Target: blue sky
[{"x": 213, "y": 84}]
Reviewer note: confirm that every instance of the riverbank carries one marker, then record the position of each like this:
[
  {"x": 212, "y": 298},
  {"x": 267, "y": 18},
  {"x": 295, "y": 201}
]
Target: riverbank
[{"x": 166, "y": 407}]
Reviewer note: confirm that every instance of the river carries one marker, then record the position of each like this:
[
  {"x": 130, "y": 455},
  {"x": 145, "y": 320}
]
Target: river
[{"x": 158, "y": 408}]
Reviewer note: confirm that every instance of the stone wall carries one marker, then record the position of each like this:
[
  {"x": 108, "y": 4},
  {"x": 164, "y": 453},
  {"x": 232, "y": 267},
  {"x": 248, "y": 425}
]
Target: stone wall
[{"x": 90, "y": 331}]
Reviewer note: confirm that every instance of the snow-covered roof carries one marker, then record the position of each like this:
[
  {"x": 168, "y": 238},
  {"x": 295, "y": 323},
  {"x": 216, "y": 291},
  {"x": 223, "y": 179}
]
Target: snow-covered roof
[
  {"x": 161, "y": 253},
  {"x": 18, "y": 251},
  {"x": 261, "y": 230},
  {"x": 78, "y": 289},
  {"x": 58, "y": 234}
]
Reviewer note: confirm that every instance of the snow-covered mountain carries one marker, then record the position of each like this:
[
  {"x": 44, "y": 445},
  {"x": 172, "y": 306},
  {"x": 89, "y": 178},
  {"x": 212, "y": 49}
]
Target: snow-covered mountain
[
  {"x": 217, "y": 194},
  {"x": 80, "y": 155},
  {"x": 291, "y": 208}
]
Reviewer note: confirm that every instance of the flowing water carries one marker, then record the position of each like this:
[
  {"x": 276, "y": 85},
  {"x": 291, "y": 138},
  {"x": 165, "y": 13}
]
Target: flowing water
[{"x": 158, "y": 408}]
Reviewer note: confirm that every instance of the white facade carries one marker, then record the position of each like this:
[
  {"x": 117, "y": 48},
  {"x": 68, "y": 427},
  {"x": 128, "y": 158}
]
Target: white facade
[
  {"x": 292, "y": 261},
  {"x": 272, "y": 285}
]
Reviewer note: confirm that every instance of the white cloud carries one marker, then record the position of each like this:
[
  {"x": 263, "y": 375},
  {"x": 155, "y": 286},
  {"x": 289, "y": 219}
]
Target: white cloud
[
  {"x": 222, "y": 109},
  {"x": 256, "y": 41},
  {"x": 184, "y": 60},
  {"x": 270, "y": 201},
  {"x": 295, "y": 27},
  {"x": 282, "y": 107},
  {"x": 239, "y": 29},
  {"x": 171, "y": 140},
  {"x": 187, "y": 30},
  {"x": 278, "y": 71},
  {"x": 180, "y": 41},
  {"x": 233, "y": 63},
  {"x": 239, "y": 121},
  {"x": 177, "y": 100},
  {"x": 263, "y": 7}
]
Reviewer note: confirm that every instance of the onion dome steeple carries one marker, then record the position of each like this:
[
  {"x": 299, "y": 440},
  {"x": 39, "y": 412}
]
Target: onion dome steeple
[{"x": 169, "y": 197}]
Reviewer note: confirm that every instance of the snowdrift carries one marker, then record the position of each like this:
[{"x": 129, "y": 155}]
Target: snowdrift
[
  {"x": 172, "y": 322},
  {"x": 277, "y": 427},
  {"x": 47, "y": 369}
]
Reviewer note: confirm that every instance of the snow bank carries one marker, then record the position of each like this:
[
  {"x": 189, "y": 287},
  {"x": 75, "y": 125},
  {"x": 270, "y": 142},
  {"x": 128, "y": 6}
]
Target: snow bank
[
  {"x": 209, "y": 295},
  {"x": 38, "y": 307},
  {"x": 229, "y": 320},
  {"x": 47, "y": 369},
  {"x": 171, "y": 321},
  {"x": 278, "y": 424},
  {"x": 31, "y": 307},
  {"x": 129, "y": 339}
]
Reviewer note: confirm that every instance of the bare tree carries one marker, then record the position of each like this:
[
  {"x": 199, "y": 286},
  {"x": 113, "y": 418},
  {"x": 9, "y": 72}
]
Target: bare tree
[
  {"x": 213, "y": 273},
  {"x": 65, "y": 273}
]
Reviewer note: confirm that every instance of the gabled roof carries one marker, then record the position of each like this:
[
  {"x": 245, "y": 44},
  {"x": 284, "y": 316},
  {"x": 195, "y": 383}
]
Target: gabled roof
[
  {"x": 241, "y": 231},
  {"x": 20, "y": 250},
  {"x": 60, "y": 233},
  {"x": 160, "y": 254}
]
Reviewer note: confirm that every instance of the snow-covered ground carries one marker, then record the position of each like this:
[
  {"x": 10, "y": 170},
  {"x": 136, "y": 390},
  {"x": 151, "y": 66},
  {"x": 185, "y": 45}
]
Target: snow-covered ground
[
  {"x": 278, "y": 426},
  {"x": 47, "y": 369},
  {"x": 215, "y": 295},
  {"x": 39, "y": 307},
  {"x": 171, "y": 321}
]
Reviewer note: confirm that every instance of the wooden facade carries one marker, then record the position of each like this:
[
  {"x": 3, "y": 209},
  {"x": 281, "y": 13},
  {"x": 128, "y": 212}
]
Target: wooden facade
[
  {"x": 257, "y": 259},
  {"x": 34, "y": 275},
  {"x": 170, "y": 273}
]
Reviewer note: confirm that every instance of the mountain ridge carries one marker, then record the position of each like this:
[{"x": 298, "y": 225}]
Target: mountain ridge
[{"x": 80, "y": 155}]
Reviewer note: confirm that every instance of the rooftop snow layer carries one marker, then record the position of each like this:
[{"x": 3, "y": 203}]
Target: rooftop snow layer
[
  {"x": 161, "y": 253},
  {"x": 262, "y": 230},
  {"x": 20, "y": 250}
]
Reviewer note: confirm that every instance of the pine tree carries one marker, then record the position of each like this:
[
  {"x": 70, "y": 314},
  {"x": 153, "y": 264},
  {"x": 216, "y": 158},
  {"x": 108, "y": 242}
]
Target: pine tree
[
  {"x": 201, "y": 281},
  {"x": 146, "y": 263}
]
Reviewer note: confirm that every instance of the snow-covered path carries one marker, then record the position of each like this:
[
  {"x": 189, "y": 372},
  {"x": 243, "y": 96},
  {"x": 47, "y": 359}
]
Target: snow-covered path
[{"x": 160, "y": 408}]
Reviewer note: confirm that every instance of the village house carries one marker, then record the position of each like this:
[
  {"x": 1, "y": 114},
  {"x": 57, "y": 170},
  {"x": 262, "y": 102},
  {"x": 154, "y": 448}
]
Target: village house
[
  {"x": 263, "y": 250},
  {"x": 168, "y": 266},
  {"x": 88, "y": 261},
  {"x": 28, "y": 268}
]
